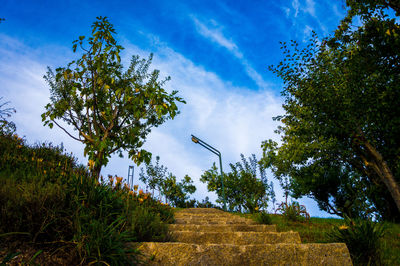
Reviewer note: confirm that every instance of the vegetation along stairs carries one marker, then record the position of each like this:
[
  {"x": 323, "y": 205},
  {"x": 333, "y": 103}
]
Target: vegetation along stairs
[{"x": 213, "y": 237}]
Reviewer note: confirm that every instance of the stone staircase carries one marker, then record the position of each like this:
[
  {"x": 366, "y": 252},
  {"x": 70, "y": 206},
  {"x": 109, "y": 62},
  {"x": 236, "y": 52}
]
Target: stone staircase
[{"x": 214, "y": 237}]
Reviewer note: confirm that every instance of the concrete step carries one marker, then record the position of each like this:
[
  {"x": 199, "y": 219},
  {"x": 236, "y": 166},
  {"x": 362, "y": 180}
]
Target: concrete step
[
  {"x": 266, "y": 254},
  {"x": 205, "y": 221},
  {"x": 235, "y": 238},
  {"x": 223, "y": 228},
  {"x": 200, "y": 210}
]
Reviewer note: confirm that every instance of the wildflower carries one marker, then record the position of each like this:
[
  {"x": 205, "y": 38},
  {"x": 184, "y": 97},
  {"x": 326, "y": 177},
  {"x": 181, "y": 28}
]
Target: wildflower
[
  {"x": 91, "y": 164},
  {"x": 131, "y": 193},
  {"x": 146, "y": 196},
  {"x": 141, "y": 192},
  {"x": 19, "y": 146},
  {"x": 135, "y": 187},
  {"x": 119, "y": 179},
  {"x": 40, "y": 160},
  {"x": 343, "y": 227},
  {"x": 44, "y": 171},
  {"x": 126, "y": 186},
  {"x": 140, "y": 200},
  {"x": 111, "y": 179},
  {"x": 256, "y": 208}
]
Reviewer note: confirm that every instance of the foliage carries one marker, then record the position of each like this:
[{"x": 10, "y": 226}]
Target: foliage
[
  {"x": 263, "y": 217},
  {"x": 176, "y": 193},
  {"x": 205, "y": 203},
  {"x": 6, "y": 127},
  {"x": 246, "y": 186},
  {"x": 363, "y": 239},
  {"x": 293, "y": 211},
  {"x": 340, "y": 141},
  {"x": 112, "y": 110},
  {"x": 152, "y": 175},
  {"x": 46, "y": 197}
]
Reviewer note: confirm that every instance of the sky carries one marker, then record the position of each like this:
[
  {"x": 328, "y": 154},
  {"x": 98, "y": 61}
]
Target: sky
[{"x": 217, "y": 54}]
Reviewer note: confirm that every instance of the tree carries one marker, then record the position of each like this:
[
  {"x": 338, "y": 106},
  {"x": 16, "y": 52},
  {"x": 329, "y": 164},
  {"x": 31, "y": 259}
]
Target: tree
[
  {"x": 340, "y": 132},
  {"x": 246, "y": 186},
  {"x": 111, "y": 109},
  {"x": 177, "y": 192},
  {"x": 6, "y": 126},
  {"x": 1, "y": 19},
  {"x": 155, "y": 176}
]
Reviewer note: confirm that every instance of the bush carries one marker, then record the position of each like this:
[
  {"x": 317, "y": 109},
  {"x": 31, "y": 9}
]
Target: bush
[
  {"x": 263, "y": 218},
  {"x": 293, "y": 212},
  {"x": 46, "y": 197},
  {"x": 363, "y": 239}
]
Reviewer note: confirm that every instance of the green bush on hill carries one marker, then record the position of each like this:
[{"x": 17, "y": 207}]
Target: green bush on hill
[{"x": 46, "y": 197}]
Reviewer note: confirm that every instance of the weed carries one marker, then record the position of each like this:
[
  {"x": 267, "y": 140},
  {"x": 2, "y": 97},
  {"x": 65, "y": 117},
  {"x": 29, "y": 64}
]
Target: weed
[
  {"x": 293, "y": 212},
  {"x": 363, "y": 239},
  {"x": 263, "y": 217}
]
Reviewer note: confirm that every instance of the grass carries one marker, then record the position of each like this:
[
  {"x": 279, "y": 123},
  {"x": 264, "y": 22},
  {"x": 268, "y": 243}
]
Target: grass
[{"x": 316, "y": 230}]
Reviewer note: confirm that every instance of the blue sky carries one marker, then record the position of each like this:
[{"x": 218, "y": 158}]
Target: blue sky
[{"x": 216, "y": 52}]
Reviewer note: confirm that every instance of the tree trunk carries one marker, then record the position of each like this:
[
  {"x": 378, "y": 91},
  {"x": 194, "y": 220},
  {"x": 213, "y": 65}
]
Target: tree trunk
[{"x": 380, "y": 167}]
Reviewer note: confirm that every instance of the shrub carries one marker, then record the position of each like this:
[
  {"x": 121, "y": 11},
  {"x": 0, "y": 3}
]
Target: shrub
[
  {"x": 263, "y": 217},
  {"x": 46, "y": 197},
  {"x": 293, "y": 212},
  {"x": 363, "y": 239}
]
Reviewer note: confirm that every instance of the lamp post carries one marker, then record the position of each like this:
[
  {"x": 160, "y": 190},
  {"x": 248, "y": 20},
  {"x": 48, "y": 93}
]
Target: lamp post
[{"x": 216, "y": 152}]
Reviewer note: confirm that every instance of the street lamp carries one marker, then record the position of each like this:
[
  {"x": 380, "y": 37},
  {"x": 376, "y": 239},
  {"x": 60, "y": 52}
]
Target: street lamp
[{"x": 216, "y": 152}]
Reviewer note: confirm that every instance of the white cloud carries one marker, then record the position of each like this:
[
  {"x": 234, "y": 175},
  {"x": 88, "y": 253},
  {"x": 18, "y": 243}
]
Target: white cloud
[
  {"x": 296, "y": 6},
  {"x": 215, "y": 34},
  {"x": 310, "y": 8}
]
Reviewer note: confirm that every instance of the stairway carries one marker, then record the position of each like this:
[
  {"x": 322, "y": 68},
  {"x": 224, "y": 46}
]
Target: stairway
[{"x": 213, "y": 237}]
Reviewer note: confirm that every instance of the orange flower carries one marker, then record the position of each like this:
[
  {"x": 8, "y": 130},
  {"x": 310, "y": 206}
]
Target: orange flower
[
  {"x": 140, "y": 200},
  {"x": 131, "y": 193},
  {"x": 111, "y": 179},
  {"x": 145, "y": 196},
  {"x": 135, "y": 187},
  {"x": 119, "y": 179},
  {"x": 141, "y": 192},
  {"x": 126, "y": 186}
]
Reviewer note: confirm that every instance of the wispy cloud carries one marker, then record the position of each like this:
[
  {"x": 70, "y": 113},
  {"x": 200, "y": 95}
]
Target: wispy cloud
[
  {"x": 296, "y": 6},
  {"x": 213, "y": 31}
]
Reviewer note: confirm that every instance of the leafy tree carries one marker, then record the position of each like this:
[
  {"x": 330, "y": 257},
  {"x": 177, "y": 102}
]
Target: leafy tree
[
  {"x": 1, "y": 19},
  {"x": 177, "y": 192},
  {"x": 111, "y": 109},
  {"x": 155, "y": 176},
  {"x": 340, "y": 132},
  {"x": 246, "y": 186},
  {"x": 6, "y": 126}
]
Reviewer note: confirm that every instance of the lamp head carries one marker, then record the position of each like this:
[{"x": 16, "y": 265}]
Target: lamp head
[{"x": 194, "y": 139}]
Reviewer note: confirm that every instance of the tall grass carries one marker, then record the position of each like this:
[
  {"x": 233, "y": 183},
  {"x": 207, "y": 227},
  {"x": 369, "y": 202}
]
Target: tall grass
[{"x": 48, "y": 199}]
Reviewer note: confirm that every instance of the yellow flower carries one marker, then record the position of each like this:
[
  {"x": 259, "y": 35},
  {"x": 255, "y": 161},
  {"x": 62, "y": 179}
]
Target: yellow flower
[
  {"x": 44, "y": 171},
  {"x": 140, "y": 200},
  {"x": 141, "y": 192},
  {"x": 91, "y": 164},
  {"x": 135, "y": 187},
  {"x": 343, "y": 227},
  {"x": 119, "y": 179},
  {"x": 256, "y": 208}
]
